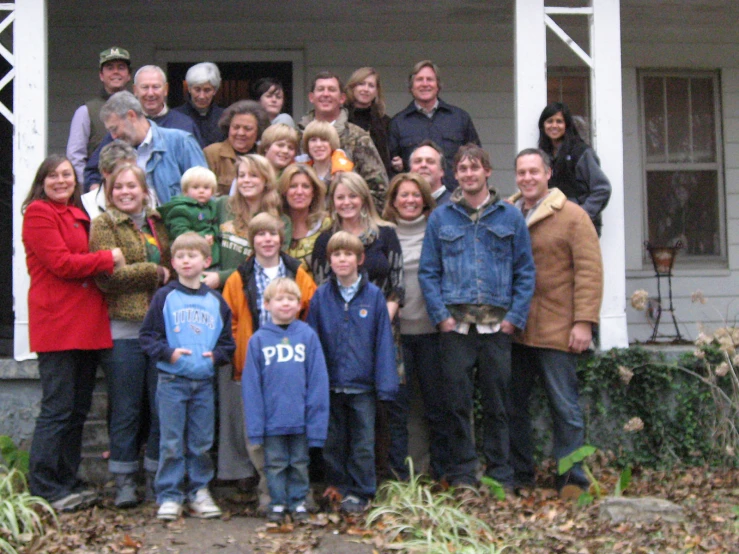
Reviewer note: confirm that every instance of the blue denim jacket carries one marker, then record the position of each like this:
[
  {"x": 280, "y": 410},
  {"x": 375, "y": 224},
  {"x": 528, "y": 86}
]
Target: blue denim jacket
[{"x": 487, "y": 261}]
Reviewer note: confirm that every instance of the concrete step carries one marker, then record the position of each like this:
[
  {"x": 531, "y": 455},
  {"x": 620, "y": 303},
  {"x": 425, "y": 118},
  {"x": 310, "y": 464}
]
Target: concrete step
[{"x": 95, "y": 437}]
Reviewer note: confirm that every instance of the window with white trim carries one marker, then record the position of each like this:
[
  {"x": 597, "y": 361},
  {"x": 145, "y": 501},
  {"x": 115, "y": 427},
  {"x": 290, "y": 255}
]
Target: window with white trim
[{"x": 683, "y": 175}]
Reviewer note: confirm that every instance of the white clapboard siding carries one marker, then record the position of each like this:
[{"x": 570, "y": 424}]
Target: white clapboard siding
[{"x": 473, "y": 44}]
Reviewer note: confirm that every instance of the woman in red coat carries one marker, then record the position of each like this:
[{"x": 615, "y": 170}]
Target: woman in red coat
[{"x": 68, "y": 324}]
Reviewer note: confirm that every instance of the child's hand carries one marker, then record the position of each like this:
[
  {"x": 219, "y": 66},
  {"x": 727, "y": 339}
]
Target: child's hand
[
  {"x": 178, "y": 353},
  {"x": 208, "y": 355},
  {"x": 209, "y": 239}
]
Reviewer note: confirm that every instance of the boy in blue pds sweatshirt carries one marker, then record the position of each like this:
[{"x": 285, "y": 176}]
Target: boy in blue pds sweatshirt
[
  {"x": 187, "y": 333},
  {"x": 285, "y": 390}
]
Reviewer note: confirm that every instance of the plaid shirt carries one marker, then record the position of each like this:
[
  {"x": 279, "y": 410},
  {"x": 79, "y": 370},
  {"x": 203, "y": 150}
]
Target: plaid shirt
[{"x": 262, "y": 280}]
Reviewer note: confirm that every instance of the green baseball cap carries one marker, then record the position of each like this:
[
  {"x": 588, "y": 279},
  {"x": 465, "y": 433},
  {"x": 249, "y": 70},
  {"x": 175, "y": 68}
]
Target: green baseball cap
[{"x": 114, "y": 53}]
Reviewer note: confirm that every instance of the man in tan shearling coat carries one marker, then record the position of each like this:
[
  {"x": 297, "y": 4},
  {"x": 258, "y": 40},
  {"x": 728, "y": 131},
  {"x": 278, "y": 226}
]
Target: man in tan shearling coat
[{"x": 565, "y": 306}]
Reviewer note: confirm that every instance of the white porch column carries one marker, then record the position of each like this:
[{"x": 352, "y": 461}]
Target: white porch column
[
  {"x": 530, "y": 78},
  {"x": 605, "y": 41},
  {"x": 29, "y": 141}
]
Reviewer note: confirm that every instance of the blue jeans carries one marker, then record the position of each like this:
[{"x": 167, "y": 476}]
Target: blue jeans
[
  {"x": 491, "y": 355},
  {"x": 186, "y": 419},
  {"x": 557, "y": 370},
  {"x": 421, "y": 359},
  {"x": 67, "y": 382},
  {"x": 130, "y": 376},
  {"x": 286, "y": 466},
  {"x": 350, "y": 447}
]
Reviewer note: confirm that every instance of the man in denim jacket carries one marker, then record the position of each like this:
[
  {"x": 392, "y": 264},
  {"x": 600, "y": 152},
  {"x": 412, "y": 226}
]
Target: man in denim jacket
[{"x": 477, "y": 276}]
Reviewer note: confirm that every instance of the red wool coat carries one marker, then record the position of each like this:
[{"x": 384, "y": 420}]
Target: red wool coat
[{"x": 66, "y": 309}]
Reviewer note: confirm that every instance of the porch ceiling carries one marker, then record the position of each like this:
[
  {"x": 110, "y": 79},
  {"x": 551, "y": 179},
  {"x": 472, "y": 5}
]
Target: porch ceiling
[{"x": 657, "y": 12}]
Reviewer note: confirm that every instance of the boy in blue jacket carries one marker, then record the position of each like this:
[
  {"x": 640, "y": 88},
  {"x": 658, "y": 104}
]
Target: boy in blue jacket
[
  {"x": 350, "y": 316},
  {"x": 285, "y": 390},
  {"x": 187, "y": 333}
]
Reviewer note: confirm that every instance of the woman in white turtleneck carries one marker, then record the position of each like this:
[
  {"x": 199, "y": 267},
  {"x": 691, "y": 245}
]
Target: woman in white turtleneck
[{"x": 409, "y": 203}]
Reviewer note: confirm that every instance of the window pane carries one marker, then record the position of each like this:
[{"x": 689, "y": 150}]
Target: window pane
[
  {"x": 704, "y": 129},
  {"x": 678, "y": 120},
  {"x": 654, "y": 119},
  {"x": 683, "y": 205}
]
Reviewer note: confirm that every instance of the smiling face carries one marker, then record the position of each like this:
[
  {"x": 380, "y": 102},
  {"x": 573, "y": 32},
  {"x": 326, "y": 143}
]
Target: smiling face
[
  {"x": 283, "y": 308},
  {"x": 427, "y": 162},
  {"x": 266, "y": 246},
  {"x": 249, "y": 183},
  {"x": 299, "y": 194},
  {"x": 532, "y": 178},
  {"x": 365, "y": 92},
  {"x": 280, "y": 154},
  {"x": 124, "y": 128},
  {"x": 425, "y": 87},
  {"x": 242, "y": 132},
  {"x": 115, "y": 75},
  {"x": 272, "y": 101},
  {"x": 127, "y": 193},
  {"x": 554, "y": 128},
  {"x": 60, "y": 183},
  {"x": 202, "y": 95},
  {"x": 151, "y": 91},
  {"x": 408, "y": 201},
  {"x": 319, "y": 149},
  {"x": 327, "y": 99},
  {"x": 348, "y": 204},
  {"x": 472, "y": 176}
]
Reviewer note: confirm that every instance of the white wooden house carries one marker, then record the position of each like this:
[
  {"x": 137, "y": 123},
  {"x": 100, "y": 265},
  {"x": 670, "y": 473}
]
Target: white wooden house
[{"x": 663, "y": 101}]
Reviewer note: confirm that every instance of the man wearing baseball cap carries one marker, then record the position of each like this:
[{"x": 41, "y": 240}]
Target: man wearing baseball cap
[{"x": 86, "y": 130}]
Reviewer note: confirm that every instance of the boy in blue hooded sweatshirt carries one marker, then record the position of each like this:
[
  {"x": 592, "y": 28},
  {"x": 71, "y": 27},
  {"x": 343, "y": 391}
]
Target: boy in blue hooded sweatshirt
[
  {"x": 187, "y": 333},
  {"x": 285, "y": 390}
]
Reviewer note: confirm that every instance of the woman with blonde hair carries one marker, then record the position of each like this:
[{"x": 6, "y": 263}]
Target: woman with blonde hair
[
  {"x": 255, "y": 192},
  {"x": 303, "y": 201},
  {"x": 365, "y": 102}
]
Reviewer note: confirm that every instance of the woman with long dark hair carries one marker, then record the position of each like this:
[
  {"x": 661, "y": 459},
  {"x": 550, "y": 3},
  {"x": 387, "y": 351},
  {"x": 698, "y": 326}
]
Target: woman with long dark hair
[
  {"x": 575, "y": 167},
  {"x": 68, "y": 326}
]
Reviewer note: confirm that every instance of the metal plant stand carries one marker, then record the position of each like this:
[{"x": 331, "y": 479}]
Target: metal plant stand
[{"x": 663, "y": 259}]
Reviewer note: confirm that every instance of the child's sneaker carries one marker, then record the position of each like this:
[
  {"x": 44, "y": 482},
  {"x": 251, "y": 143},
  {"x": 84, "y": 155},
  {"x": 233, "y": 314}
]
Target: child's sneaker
[
  {"x": 300, "y": 513},
  {"x": 353, "y": 505},
  {"x": 169, "y": 510},
  {"x": 203, "y": 506},
  {"x": 276, "y": 514}
]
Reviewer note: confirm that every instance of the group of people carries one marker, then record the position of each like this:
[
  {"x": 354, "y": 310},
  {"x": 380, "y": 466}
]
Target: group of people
[{"x": 232, "y": 254}]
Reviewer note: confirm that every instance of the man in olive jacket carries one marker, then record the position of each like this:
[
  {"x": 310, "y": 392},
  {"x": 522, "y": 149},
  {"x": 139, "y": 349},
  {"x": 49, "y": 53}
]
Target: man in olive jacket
[{"x": 565, "y": 306}]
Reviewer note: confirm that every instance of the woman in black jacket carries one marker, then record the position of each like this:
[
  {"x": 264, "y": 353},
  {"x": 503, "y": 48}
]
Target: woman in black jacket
[
  {"x": 365, "y": 102},
  {"x": 575, "y": 167}
]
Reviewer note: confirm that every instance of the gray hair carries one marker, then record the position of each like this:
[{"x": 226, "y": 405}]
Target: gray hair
[
  {"x": 148, "y": 68},
  {"x": 120, "y": 104},
  {"x": 202, "y": 73},
  {"x": 545, "y": 158},
  {"x": 114, "y": 152}
]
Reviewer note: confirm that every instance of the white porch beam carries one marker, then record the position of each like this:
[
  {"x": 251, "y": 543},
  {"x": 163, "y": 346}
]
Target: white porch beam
[
  {"x": 29, "y": 141},
  {"x": 607, "y": 139},
  {"x": 530, "y": 62}
]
